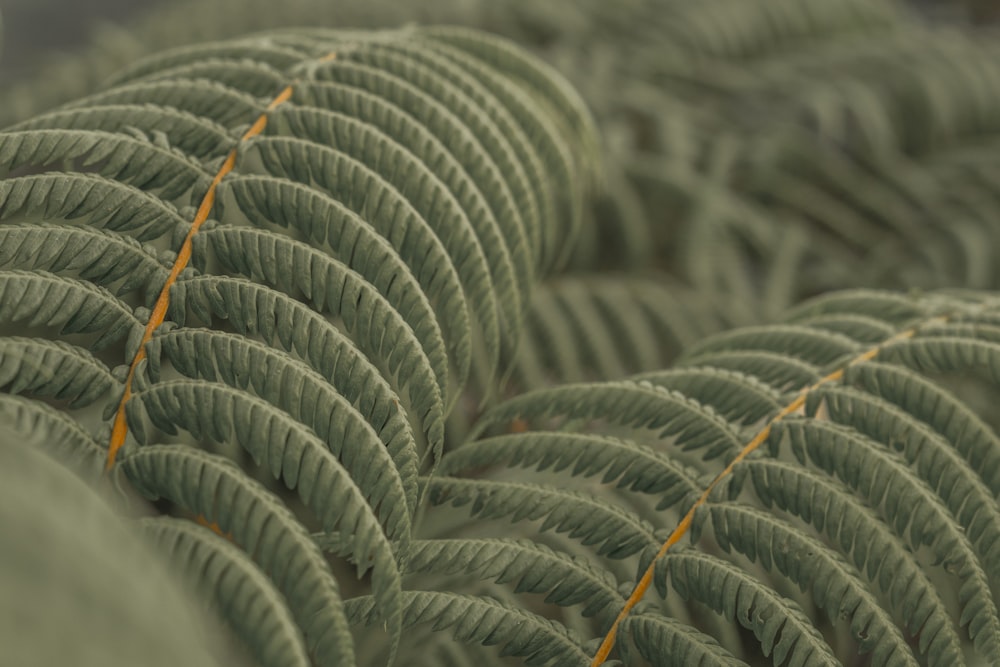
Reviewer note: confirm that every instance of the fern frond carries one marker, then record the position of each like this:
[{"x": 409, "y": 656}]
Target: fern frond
[
  {"x": 443, "y": 143},
  {"x": 66, "y": 439},
  {"x": 204, "y": 98},
  {"x": 943, "y": 352},
  {"x": 216, "y": 489},
  {"x": 413, "y": 179},
  {"x": 292, "y": 386},
  {"x": 372, "y": 198},
  {"x": 673, "y": 644},
  {"x": 784, "y": 631},
  {"x": 245, "y": 598},
  {"x": 187, "y": 132},
  {"x": 632, "y": 404},
  {"x": 829, "y": 388},
  {"x": 133, "y": 159},
  {"x": 549, "y": 87},
  {"x": 612, "y": 529},
  {"x": 326, "y": 222},
  {"x": 243, "y": 74},
  {"x": 96, "y": 255},
  {"x": 289, "y": 450},
  {"x": 377, "y": 328},
  {"x": 526, "y": 125},
  {"x": 40, "y": 298},
  {"x": 796, "y": 555},
  {"x": 736, "y": 396},
  {"x": 283, "y": 322},
  {"x": 774, "y": 368},
  {"x": 534, "y": 567},
  {"x": 54, "y": 369},
  {"x": 908, "y": 503},
  {"x": 485, "y": 621},
  {"x": 263, "y": 51},
  {"x": 797, "y": 342},
  {"x": 934, "y": 459},
  {"x": 99, "y": 201},
  {"x": 358, "y": 256},
  {"x": 883, "y": 557},
  {"x": 66, "y": 553},
  {"x": 640, "y": 469},
  {"x": 959, "y": 424},
  {"x": 476, "y": 108},
  {"x": 474, "y": 182},
  {"x": 472, "y": 134}
]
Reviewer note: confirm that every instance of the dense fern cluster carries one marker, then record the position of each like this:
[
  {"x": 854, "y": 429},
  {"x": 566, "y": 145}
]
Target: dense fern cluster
[
  {"x": 868, "y": 458},
  {"x": 351, "y": 241},
  {"x": 410, "y": 363}
]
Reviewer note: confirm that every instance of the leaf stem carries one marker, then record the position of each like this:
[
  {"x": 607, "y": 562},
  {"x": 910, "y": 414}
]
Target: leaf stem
[
  {"x": 794, "y": 407},
  {"x": 119, "y": 429}
]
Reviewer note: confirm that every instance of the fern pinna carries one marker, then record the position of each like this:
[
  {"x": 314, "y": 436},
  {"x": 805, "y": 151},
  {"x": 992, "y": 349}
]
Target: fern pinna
[{"x": 294, "y": 243}]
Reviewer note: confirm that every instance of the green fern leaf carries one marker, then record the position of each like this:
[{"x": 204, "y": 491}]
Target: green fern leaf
[
  {"x": 774, "y": 368},
  {"x": 250, "y": 49},
  {"x": 185, "y": 131},
  {"x": 303, "y": 393},
  {"x": 626, "y": 403},
  {"x": 934, "y": 460},
  {"x": 839, "y": 591},
  {"x": 289, "y": 449},
  {"x": 673, "y": 644},
  {"x": 454, "y": 259},
  {"x": 881, "y": 556},
  {"x": 613, "y": 530},
  {"x": 53, "y": 369},
  {"x": 99, "y": 201},
  {"x": 456, "y": 117},
  {"x": 376, "y": 327},
  {"x": 97, "y": 256},
  {"x": 785, "y": 633},
  {"x": 736, "y": 396},
  {"x": 485, "y": 621},
  {"x": 248, "y": 76},
  {"x": 67, "y": 441},
  {"x": 638, "y": 468},
  {"x": 283, "y": 322},
  {"x": 455, "y": 157},
  {"x": 361, "y": 238},
  {"x": 127, "y": 158},
  {"x": 215, "y": 488},
  {"x": 535, "y": 568},
  {"x": 324, "y": 221},
  {"x": 414, "y": 180},
  {"x": 959, "y": 424},
  {"x": 203, "y": 98},
  {"x": 244, "y": 596},
  {"x": 40, "y": 298},
  {"x": 909, "y": 503},
  {"x": 312, "y": 402}
]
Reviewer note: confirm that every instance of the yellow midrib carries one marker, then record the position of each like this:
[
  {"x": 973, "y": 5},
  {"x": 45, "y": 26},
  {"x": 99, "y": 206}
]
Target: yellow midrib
[
  {"x": 604, "y": 650},
  {"x": 119, "y": 429}
]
